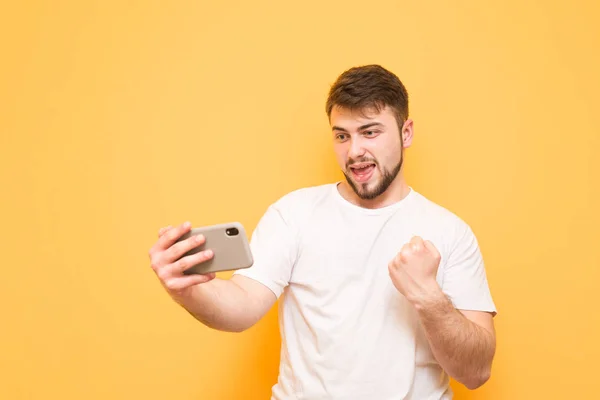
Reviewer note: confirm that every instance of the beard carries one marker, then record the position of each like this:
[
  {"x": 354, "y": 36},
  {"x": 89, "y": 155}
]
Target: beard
[{"x": 387, "y": 177}]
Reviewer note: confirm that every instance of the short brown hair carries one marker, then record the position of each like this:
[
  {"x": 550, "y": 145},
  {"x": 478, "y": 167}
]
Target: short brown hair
[{"x": 369, "y": 87}]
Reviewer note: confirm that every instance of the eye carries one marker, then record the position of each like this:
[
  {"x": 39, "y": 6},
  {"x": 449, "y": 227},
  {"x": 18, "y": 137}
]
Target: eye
[
  {"x": 340, "y": 137},
  {"x": 371, "y": 133}
]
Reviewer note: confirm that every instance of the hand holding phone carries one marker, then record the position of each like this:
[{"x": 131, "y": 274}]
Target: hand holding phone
[
  {"x": 183, "y": 257},
  {"x": 167, "y": 262},
  {"x": 228, "y": 244}
]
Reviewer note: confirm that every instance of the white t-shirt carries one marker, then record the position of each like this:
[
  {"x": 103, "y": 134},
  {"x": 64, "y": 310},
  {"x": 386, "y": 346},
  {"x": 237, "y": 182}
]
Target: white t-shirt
[{"x": 347, "y": 333}]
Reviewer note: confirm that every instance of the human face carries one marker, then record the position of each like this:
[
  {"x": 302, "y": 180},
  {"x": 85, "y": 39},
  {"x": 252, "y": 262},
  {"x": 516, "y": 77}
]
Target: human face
[{"x": 368, "y": 147}]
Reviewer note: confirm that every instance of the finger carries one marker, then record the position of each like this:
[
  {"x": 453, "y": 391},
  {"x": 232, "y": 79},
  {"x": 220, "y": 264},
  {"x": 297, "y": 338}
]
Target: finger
[
  {"x": 178, "y": 267},
  {"x": 416, "y": 240},
  {"x": 184, "y": 282},
  {"x": 392, "y": 268},
  {"x": 177, "y": 250},
  {"x": 404, "y": 254},
  {"x": 431, "y": 247},
  {"x": 417, "y": 247},
  {"x": 408, "y": 248},
  {"x": 416, "y": 243},
  {"x": 162, "y": 230},
  {"x": 172, "y": 235},
  {"x": 165, "y": 241}
]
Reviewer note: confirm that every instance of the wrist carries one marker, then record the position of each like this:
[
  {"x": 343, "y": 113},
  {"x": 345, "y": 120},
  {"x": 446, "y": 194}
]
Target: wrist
[{"x": 431, "y": 297}]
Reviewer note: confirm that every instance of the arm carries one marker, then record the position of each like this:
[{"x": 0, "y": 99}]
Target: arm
[
  {"x": 464, "y": 342},
  {"x": 229, "y": 305}
]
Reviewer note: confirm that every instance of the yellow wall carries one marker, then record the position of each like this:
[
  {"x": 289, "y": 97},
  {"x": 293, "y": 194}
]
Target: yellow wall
[{"x": 117, "y": 119}]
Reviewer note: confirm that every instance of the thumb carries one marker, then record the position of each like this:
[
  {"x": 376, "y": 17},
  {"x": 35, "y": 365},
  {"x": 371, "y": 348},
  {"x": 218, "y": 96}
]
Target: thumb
[{"x": 431, "y": 248}]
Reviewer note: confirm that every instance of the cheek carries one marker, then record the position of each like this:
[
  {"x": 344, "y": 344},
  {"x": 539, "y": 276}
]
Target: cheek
[
  {"x": 341, "y": 154},
  {"x": 379, "y": 153},
  {"x": 388, "y": 154}
]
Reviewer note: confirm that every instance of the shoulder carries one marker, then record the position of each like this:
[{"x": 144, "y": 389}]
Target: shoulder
[
  {"x": 303, "y": 199},
  {"x": 430, "y": 209},
  {"x": 299, "y": 204},
  {"x": 447, "y": 221}
]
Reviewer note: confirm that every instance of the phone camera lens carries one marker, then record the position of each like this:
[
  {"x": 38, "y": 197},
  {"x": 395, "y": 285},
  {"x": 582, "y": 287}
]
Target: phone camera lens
[{"x": 231, "y": 231}]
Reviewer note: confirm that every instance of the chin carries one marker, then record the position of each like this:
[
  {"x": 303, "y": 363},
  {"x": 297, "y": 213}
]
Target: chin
[
  {"x": 366, "y": 190},
  {"x": 368, "y": 194}
]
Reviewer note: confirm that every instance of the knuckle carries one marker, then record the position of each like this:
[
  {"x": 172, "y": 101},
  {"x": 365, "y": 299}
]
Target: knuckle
[
  {"x": 171, "y": 284},
  {"x": 172, "y": 253},
  {"x": 192, "y": 242},
  {"x": 195, "y": 259},
  {"x": 207, "y": 255},
  {"x": 186, "y": 245},
  {"x": 163, "y": 274},
  {"x": 154, "y": 264},
  {"x": 173, "y": 234}
]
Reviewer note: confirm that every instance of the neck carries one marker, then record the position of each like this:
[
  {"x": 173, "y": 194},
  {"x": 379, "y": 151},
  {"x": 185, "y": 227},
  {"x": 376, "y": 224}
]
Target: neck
[{"x": 397, "y": 191}]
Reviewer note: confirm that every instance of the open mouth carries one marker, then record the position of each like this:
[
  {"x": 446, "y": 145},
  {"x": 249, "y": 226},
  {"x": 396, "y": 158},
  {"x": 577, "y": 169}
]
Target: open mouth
[{"x": 362, "y": 172}]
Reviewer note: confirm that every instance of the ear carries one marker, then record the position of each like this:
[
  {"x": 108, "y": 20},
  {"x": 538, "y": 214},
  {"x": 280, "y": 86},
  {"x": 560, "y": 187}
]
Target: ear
[{"x": 407, "y": 133}]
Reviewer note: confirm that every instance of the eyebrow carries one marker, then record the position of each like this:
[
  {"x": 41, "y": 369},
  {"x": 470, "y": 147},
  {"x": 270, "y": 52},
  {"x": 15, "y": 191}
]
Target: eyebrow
[{"x": 337, "y": 128}]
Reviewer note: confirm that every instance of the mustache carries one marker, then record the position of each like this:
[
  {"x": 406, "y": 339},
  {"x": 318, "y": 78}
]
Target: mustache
[{"x": 361, "y": 160}]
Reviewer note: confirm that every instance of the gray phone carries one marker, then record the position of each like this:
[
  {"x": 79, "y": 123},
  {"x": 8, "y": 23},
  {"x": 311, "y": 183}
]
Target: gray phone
[{"x": 229, "y": 244}]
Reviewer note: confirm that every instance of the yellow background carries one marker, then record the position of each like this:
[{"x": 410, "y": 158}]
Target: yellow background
[{"x": 118, "y": 118}]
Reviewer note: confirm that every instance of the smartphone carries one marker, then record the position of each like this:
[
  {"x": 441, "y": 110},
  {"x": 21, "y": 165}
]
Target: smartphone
[{"x": 229, "y": 244}]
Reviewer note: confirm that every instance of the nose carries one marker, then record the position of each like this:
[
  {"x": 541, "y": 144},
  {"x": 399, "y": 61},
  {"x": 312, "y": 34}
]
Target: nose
[{"x": 357, "y": 150}]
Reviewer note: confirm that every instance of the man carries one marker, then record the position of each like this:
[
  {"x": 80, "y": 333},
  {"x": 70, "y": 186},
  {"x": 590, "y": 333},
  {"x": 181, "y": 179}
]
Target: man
[{"x": 384, "y": 293}]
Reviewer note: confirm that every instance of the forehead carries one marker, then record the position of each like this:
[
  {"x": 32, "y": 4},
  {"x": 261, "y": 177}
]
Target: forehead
[{"x": 352, "y": 119}]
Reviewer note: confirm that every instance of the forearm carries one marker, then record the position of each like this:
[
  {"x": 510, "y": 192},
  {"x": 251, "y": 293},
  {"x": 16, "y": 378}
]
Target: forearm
[
  {"x": 220, "y": 304},
  {"x": 464, "y": 349}
]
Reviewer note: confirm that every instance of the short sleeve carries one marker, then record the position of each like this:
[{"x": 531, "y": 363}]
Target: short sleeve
[
  {"x": 465, "y": 279},
  {"x": 273, "y": 247}
]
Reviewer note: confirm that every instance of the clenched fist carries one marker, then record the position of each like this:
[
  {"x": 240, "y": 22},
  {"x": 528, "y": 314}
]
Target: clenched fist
[{"x": 414, "y": 269}]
